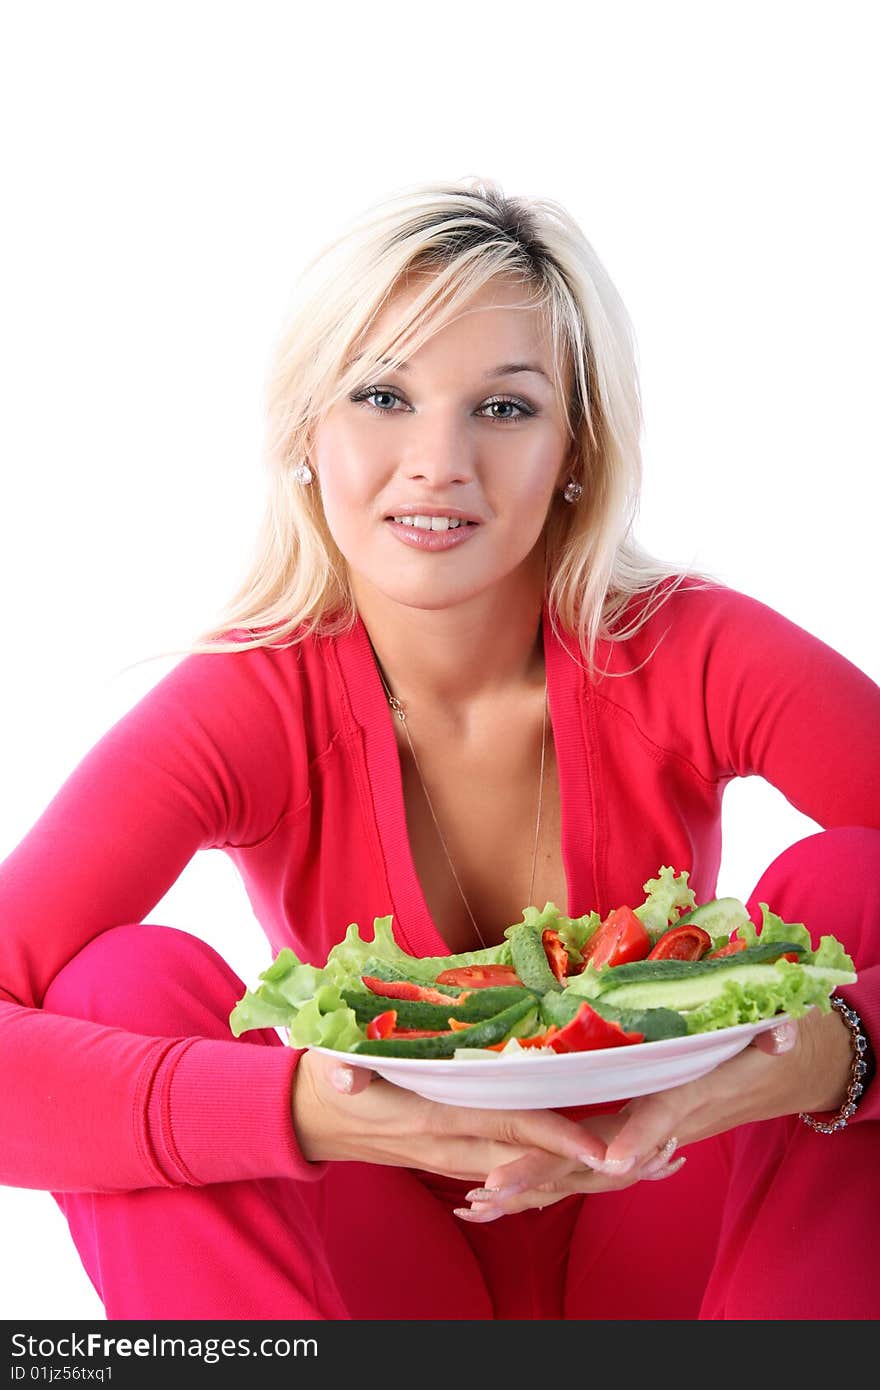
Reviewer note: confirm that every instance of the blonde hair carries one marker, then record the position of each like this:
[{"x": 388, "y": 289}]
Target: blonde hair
[{"x": 465, "y": 233}]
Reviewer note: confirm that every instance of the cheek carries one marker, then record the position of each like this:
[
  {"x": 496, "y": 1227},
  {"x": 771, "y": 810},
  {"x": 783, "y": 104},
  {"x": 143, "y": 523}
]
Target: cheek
[
  {"x": 534, "y": 494},
  {"x": 343, "y": 476}
]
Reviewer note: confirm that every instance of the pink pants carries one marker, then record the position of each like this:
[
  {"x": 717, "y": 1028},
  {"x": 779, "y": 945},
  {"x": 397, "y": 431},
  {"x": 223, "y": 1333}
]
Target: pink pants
[{"x": 768, "y": 1221}]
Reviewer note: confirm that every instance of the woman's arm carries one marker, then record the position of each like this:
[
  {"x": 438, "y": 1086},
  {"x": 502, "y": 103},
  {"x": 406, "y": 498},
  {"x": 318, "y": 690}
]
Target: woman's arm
[
  {"x": 205, "y": 759},
  {"x": 773, "y": 701}
]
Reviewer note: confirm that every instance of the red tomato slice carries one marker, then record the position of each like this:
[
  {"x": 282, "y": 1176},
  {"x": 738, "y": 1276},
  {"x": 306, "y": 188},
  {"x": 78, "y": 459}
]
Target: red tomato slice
[
  {"x": 557, "y": 956},
  {"x": 621, "y": 938},
  {"x": 682, "y": 943},
  {"x": 479, "y": 976}
]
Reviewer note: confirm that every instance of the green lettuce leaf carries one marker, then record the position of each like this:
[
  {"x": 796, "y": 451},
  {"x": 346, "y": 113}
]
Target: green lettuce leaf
[
  {"x": 326, "y": 1021},
  {"x": 587, "y": 984},
  {"x": 574, "y": 932},
  {"x": 287, "y": 984},
  {"x": 830, "y": 952},
  {"x": 577, "y": 931},
  {"x": 831, "y": 955},
  {"x": 668, "y": 898},
  {"x": 346, "y": 961}
]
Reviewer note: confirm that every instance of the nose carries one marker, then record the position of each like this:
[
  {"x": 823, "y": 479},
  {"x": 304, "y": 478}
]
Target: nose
[{"x": 440, "y": 455}]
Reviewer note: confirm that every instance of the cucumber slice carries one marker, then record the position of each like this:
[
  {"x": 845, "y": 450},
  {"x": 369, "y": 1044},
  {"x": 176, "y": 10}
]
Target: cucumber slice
[
  {"x": 530, "y": 959},
  {"x": 417, "y": 1013},
  {"x": 718, "y": 917},
  {"x": 484, "y": 1034},
  {"x": 644, "y": 972}
]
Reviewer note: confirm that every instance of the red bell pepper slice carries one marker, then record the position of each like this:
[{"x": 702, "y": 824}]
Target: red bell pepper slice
[
  {"x": 588, "y": 1031},
  {"x": 682, "y": 943},
  {"x": 557, "y": 955},
  {"x": 479, "y": 976},
  {"x": 408, "y": 989},
  {"x": 382, "y": 1026},
  {"x": 621, "y": 938},
  {"x": 729, "y": 950}
]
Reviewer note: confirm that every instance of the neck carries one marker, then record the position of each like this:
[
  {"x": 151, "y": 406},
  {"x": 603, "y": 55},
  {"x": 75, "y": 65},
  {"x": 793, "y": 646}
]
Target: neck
[{"x": 460, "y": 657}]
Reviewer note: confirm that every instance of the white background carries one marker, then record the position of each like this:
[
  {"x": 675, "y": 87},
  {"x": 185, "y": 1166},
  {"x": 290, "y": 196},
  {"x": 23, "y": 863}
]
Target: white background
[{"x": 169, "y": 168}]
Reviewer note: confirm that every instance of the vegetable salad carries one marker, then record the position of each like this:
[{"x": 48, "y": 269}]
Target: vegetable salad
[{"x": 666, "y": 968}]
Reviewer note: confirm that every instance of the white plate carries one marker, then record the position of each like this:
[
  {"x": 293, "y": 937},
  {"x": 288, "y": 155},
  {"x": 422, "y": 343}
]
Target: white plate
[{"x": 524, "y": 1081}]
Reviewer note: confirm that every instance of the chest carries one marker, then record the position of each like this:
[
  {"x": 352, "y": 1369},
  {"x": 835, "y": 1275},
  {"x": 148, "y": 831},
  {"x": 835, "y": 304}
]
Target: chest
[{"x": 480, "y": 795}]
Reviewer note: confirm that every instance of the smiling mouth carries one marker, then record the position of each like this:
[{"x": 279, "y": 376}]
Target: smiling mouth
[{"x": 432, "y": 523}]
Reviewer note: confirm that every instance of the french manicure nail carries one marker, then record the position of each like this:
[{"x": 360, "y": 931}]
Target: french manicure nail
[
  {"x": 666, "y": 1172},
  {"x": 660, "y": 1159},
  {"x": 784, "y": 1037},
  {"x": 611, "y": 1167},
  {"x": 495, "y": 1194},
  {"x": 484, "y": 1212}
]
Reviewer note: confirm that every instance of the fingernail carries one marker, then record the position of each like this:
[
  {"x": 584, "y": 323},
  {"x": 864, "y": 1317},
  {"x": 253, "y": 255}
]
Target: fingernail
[
  {"x": 494, "y": 1194},
  {"x": 342, "y": 1078},
  {"x": 667, "y": 1171},
  {"x": 483, "y": 1213},
  {"x": 660, "y": 1159},
  {"x": 784, "y": 1037},
  {"x": 611, "y": 1167}
]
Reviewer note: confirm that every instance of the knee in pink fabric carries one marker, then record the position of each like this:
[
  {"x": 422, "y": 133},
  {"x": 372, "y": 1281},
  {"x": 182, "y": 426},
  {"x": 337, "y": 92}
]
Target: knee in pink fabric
[{"x": 151, "y": 979}]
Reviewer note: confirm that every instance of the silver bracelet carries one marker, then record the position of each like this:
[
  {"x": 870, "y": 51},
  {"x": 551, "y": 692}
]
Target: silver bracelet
[{"x": 857, "y": 1075}]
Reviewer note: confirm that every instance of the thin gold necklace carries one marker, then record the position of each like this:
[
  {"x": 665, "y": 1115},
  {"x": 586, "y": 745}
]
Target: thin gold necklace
[{"x": 401, "y": 714}]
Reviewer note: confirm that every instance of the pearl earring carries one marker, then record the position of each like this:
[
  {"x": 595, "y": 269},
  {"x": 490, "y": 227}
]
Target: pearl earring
[
  {"x": 302, "y": 474},
  {"x": 572, "y": 491}
]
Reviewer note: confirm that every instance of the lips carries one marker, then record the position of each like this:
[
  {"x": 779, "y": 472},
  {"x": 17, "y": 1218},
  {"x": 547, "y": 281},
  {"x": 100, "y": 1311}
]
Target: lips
[{"x": 426, "y": 538}]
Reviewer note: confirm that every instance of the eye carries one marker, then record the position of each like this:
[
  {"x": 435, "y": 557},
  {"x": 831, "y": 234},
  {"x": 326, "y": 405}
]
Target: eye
[{"x": 369, "y": 391}]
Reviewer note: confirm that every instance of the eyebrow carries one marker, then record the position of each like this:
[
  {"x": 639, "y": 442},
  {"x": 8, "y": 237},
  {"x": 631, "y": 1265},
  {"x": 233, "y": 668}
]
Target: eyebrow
[{"x": 505, "y": 369}]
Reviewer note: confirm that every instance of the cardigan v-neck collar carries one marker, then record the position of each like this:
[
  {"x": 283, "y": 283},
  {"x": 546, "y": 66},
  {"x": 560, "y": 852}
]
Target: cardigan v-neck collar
[{"x": 567, "y": 693}]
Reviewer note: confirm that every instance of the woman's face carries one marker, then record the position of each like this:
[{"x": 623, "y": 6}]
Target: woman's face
[{"x": 453, "y": 434}]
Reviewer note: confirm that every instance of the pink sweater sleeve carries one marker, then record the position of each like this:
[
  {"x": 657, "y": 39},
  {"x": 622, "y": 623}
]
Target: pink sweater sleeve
[{"x": 210, "y": 757}]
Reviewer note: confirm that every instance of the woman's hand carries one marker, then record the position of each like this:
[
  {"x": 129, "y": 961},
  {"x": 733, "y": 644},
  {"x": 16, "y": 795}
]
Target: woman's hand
[
  {"x": 794, "y": 1067},
  {"x": 349, "y": 1113}
]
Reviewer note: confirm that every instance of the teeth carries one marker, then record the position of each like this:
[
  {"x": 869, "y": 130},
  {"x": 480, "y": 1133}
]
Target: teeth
[{"x": 431, "y": 523}]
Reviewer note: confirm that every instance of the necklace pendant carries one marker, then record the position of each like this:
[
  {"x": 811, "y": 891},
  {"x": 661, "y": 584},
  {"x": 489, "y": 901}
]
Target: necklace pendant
[{"x": 397, "y": 707}]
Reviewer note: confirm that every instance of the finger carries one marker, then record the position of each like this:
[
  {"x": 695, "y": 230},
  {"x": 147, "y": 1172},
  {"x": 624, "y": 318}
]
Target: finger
[
  {"x": 666, "y": 1171},
  {"x": 777, "y": 1040},
  {"x": 651, "y": 1126},
  {"x": 532, "y": 1170},
  {"x": 351, "y": 1080},
  {"x": 542, "y": 1130},
  {"x": 490, "y": 1203}
]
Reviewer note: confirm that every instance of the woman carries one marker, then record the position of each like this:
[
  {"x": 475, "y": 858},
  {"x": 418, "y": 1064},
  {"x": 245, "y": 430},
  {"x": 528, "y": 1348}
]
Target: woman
[{"x": 454, "y": 453}]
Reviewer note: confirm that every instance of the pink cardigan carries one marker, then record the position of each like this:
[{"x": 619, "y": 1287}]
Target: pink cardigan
[{"x": 286, "y": 760}]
